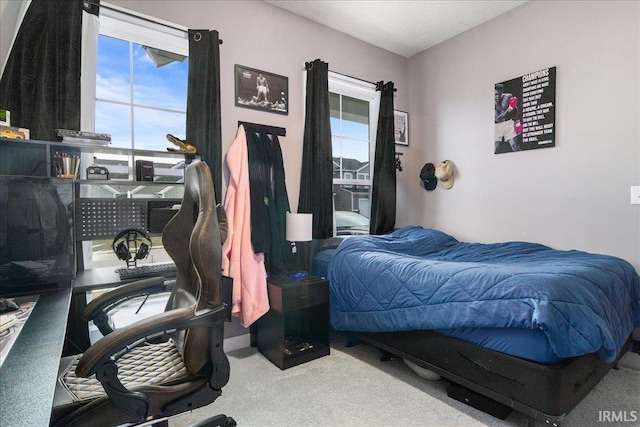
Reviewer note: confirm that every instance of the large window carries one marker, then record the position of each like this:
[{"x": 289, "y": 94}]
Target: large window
[
  {"x": 135, "y": 75},
  {"x": 141, "y": 82},
  {"x": 134, "y": 87},
  {"x": 137, "y": 101},
  {"x": 354, "y": 112}
]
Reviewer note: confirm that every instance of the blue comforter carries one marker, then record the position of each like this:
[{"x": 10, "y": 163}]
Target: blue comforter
[{"x": 417, "y": 278}]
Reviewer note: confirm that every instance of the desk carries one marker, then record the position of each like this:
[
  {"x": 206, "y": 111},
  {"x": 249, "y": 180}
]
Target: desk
[
  {"x": 29, "y": 373},
  {"x": 101, "y": 278},
  {"x": 97, "y": 278}
]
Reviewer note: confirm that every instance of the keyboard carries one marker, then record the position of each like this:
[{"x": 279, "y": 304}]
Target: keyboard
[{"x": 164, "y": 269}]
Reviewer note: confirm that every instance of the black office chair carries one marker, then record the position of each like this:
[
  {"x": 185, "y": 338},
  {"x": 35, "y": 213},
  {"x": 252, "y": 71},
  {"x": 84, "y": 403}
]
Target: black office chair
[{"x": 169, "y": 363}]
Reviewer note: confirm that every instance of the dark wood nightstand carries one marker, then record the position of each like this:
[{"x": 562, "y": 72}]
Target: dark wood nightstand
[{"x": 296, "y": 328}]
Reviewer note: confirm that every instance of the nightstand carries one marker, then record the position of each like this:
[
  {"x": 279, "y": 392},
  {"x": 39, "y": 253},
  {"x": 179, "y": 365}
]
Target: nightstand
[{"x": 296, "y": 328}]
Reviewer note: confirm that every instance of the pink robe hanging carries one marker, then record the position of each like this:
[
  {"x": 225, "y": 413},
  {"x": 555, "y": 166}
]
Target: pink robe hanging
[{"x": 250, "y": 299}]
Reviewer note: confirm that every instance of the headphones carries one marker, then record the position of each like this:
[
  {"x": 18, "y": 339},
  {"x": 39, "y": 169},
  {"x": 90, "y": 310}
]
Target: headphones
[{"x": 122, "y": 244}]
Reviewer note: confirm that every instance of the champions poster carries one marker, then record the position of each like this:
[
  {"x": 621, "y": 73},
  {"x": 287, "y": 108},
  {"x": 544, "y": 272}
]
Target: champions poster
[{"x": 525, "y": 113}]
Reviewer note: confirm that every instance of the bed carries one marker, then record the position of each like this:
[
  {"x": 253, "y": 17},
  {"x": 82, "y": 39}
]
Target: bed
[{"x": 513, "y": 325}]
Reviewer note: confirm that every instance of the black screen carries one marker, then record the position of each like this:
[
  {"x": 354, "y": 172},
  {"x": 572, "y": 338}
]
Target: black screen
[
  {"x": 160, "y": 212},
  {"x": 36, "y": 234}
]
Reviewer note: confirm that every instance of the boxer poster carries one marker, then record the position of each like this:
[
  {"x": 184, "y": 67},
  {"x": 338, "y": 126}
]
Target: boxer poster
[{"x": 525, "y": 112}]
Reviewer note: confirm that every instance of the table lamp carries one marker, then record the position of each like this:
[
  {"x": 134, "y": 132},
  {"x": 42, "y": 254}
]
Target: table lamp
[{"x": 299, "y": 229}]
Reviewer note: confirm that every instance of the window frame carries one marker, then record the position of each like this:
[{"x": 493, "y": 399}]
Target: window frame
[
  {"x": 359, "y": 89},
  {"x": 121, "y": 23},
  {"x": 365, "y": 91}
]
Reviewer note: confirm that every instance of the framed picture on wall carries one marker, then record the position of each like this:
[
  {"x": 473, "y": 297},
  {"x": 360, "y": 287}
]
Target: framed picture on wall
[
  {"x": 525, "y": 112},
  {"x": 261, "y": 90},
  {"x": 401, "y": 127}
]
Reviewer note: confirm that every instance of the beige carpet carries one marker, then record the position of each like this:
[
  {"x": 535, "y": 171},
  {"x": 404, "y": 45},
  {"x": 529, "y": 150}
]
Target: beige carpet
[{"x": 352, "y": 387}]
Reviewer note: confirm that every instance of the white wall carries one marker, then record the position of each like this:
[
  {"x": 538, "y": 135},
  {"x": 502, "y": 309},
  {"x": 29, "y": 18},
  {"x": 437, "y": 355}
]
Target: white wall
[{"x": 573, "y": 196}]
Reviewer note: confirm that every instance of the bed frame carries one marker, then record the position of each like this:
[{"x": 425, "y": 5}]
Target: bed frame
[{"x": 481, "y": 377}]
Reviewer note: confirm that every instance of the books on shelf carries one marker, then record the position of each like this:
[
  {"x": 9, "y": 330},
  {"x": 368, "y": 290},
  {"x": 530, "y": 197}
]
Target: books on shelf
[
  {"x": 86, "y": 141},
  {"x": 83, "y": 137}
]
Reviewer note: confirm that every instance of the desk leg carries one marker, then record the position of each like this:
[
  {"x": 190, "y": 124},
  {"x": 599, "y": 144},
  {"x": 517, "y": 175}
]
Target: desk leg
[{"x": 77, "y": 338}]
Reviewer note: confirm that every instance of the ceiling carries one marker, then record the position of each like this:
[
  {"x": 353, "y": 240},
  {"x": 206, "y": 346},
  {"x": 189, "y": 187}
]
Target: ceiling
[{"x": 402, "y": 27}]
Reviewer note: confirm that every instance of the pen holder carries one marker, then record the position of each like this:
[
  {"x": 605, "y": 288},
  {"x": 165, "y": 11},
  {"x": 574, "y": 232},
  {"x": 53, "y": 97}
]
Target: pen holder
[{"x": 67, "y": 166}]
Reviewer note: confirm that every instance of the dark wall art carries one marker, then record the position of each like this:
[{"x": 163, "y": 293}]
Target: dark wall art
[
  {"x": 525, "y": 112},
  {"x": 401, "y": 127},
  {"x": 261, "y": 90}
]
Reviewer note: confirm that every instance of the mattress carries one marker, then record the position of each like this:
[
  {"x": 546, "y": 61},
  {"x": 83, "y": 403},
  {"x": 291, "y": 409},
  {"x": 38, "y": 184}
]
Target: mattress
[
  {"x": 526, "y": 344},
  {"x": 519, "y": 298}
]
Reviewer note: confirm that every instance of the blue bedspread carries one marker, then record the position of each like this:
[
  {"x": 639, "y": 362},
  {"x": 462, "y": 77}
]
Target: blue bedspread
[{"x": 417, "y": 278}]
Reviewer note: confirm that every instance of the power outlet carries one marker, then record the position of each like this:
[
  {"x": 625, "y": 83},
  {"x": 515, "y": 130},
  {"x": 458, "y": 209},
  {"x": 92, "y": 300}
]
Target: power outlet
[{"x": 635, "y": 195}]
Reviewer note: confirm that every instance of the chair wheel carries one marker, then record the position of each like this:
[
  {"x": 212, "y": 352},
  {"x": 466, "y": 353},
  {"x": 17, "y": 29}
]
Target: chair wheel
[{"x": 217, "y": 421}]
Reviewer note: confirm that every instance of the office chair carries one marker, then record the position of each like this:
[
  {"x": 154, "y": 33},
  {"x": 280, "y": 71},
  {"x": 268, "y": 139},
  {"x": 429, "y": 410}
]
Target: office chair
[{"x": 171, "y": 362}]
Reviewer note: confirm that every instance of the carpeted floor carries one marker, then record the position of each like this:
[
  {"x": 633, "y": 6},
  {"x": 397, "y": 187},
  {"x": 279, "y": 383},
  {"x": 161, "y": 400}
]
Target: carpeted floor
[{"x": 352, "y": 387}]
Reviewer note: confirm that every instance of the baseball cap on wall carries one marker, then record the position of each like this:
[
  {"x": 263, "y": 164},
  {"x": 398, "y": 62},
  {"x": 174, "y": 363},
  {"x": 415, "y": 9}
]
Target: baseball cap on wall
[
  {"x": 428, "y": 177},
  {"x": 444, "y": 172}
]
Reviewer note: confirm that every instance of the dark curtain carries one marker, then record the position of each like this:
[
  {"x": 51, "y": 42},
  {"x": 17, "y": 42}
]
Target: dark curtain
[
  {"x": 316, "y": 182},
  {"x": 383, "y": 194},
  {"x": 203, "y": 101},
  {"x": 41, "y": 81}
]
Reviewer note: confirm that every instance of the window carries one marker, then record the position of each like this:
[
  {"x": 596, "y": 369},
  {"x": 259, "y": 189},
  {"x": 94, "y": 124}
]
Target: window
[
  {"x": 354, "y": 113},
  {"x": 141, "y": 82},
  {"x": 134, "y": 87},
  {"x": 135, "y": 75}
]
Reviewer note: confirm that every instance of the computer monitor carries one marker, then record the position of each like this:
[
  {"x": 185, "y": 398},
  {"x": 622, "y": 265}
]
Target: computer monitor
[
  {"x": 36, "y": 234},
  {"x": 160, "y": 212}
]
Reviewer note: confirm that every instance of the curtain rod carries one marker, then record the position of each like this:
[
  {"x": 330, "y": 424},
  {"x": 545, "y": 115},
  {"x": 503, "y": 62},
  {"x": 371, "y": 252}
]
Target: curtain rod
[
  {"x": 378, "y": 85},
  {"x": 356, "y": 78},
  {"x": 133, "y": 15}
]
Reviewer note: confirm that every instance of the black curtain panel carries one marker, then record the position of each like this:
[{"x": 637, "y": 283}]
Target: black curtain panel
[
  {"x": 203, "y": 101},
  {"x": 41, "y": 80},
  {"x": 316, "y": 182},
  {"x": 383, "y": 194}
]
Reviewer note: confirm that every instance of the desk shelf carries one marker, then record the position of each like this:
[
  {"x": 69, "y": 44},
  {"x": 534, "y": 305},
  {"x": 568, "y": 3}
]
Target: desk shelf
[{"x": 34, "y": 158}]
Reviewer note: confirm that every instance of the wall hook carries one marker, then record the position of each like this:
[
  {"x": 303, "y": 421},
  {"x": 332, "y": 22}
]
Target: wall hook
[{"x": 398, "y": 162}]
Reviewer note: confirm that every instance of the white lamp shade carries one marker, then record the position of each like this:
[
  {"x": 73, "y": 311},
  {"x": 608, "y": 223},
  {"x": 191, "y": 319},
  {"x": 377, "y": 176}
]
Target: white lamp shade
[{"x": 299, "y": 227}]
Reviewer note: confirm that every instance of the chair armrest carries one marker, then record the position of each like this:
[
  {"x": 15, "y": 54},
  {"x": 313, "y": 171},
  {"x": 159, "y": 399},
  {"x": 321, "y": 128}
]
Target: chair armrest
[
  {"x": 122, "y": 339},
  {"x": 100, "y": 359},
  {"x": 96, "y": 310}
]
